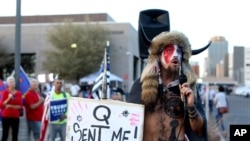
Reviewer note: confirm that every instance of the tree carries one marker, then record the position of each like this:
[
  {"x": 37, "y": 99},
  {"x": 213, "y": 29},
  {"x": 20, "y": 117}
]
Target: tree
[{"x": 77, "y": 49}]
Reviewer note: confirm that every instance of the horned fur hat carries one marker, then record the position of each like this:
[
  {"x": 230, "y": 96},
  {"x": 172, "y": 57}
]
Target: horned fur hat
[{"x": 150, "y": 74}]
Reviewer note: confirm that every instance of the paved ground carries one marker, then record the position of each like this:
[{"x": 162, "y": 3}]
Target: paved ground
[
  {"x": 23, "y": 131},
  {"x": 239, "y": 113}
]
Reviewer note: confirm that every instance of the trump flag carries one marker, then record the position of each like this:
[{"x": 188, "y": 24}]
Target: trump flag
[
  {"x": 24, "y": 82},
  {"x": 2, "y": 87}
]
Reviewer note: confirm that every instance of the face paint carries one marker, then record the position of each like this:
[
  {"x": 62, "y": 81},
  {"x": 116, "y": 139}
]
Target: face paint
[{"x": 170, "y": 52}]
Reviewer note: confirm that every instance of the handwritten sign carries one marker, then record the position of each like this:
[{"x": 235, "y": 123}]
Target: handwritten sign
[
  {"x": 104, "y": 120},
  {"x": 57, "y": 108}
]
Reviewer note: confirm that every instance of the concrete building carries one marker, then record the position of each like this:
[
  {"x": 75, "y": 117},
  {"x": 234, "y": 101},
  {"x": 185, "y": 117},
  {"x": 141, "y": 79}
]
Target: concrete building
[
  {"x": 230, "y": 65},
  {"x": 241, "y": 65},
  {"x": 220, "y": 72},
  {"x": 247, "y": 66},
  {"x": 195, "y": 67},
  {"x": 238, "y": 64},
  {"x": 217, "y": 53},
  {"x": 124, "y": 55}
]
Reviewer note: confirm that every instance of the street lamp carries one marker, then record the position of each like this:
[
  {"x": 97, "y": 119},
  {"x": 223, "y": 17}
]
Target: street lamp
[{"x": 74, "y": 45}]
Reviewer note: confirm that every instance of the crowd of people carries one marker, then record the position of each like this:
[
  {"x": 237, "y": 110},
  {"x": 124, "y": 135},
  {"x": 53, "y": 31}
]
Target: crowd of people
[
  {"x": 167, "y": 88},
  {"x": 13, "y": 103}
]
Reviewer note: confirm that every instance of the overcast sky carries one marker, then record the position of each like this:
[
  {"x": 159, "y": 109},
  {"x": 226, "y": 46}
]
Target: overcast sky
[{"x": 198, "y": 19}]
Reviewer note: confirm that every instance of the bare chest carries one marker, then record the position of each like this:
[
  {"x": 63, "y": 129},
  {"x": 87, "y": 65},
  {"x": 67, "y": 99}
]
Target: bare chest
[{"x": 164, "y": 123}]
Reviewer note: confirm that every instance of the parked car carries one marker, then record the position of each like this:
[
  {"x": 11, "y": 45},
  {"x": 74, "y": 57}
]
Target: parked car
[{"x": 243, "y": 91}]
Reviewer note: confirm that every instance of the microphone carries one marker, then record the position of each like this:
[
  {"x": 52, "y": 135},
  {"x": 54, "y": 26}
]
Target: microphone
[{"x": 183, "y": 79}]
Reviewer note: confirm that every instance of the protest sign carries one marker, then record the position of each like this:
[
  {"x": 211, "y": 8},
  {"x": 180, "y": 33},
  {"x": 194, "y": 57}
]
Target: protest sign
[
  {"x": 57, "y": 108},
  {"x": 104, "y": 120}
]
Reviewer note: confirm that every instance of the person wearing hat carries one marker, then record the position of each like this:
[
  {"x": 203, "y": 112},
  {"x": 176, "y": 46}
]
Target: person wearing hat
[
  {"x": 173, "y": 109},
  {"x": 118, "y": 94}
]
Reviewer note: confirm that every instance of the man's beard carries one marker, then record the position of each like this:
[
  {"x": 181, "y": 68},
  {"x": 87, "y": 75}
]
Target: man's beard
[{"x": 172, "y": 71}]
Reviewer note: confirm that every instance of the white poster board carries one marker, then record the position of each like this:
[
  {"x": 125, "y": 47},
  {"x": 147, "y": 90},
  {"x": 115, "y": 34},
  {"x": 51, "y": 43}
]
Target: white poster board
[{"x": 104, "y": 120}]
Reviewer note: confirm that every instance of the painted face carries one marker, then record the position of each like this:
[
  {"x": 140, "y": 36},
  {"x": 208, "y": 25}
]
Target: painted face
[{"x": 171, "y": 54}]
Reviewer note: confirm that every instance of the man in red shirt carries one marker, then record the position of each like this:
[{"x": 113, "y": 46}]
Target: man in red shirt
[{"x": 33, "y": 103}]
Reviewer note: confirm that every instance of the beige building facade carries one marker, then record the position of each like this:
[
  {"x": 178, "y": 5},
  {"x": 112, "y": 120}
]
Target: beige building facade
[{"x": 124, "y": 53}]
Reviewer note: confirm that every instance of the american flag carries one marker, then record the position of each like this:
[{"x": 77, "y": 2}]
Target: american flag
[
  {"x": 102, "y": 83},
  {"x": 44, "y": 132}
]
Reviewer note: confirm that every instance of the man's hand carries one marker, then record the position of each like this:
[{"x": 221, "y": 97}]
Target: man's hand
[
  {"x": 188, "y": 92},
  {"x": 63, "y": 117},
  {"x": 7, "y": 106},
  {"x": 10, "y": 96},
  {"x": 41, "y": 99}
]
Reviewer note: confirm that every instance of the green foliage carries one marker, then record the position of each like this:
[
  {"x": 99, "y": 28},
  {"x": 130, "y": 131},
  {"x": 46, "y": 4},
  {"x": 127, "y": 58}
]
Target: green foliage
[{"x": 73, "y": 63}]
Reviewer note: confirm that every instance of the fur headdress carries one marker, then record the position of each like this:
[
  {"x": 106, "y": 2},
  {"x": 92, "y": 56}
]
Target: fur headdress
[{"x": 150, "y": 74}]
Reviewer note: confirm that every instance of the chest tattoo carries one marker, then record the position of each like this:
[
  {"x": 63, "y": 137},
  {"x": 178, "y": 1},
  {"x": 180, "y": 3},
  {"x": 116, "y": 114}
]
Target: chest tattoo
[
  {"x": 173, "y": 124},
  {"x": 168, "y": 114},
  {"x": 173, "y": 106}
]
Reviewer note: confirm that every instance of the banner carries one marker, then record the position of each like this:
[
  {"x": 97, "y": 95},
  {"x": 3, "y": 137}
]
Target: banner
[
  {"x": 57, "y": 108},
  {"x": 104, "y": 120}
]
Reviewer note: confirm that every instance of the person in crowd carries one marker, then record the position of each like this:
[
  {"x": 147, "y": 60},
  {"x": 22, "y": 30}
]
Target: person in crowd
[
  {"x": 173, "y": 109},
  {"x": 211, "y": 95},
  {"x": 33, "y": 102},
  {"x": 11, "y": 104},
  {"x": 220, "y": 100},
  {"x": 118, "y": 94},
  {"x": 47, "y": 88},
  {"x": 75, "y": 90},
  {"x": 202, "y": 92},
  {"x": 86, "y": 92},
  {"x": 60, "y": 125}
]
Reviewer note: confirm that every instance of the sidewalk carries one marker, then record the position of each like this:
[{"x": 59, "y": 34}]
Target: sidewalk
[
  {"x": 215, "y": 129},
  {"x": 23, "y": 131}
]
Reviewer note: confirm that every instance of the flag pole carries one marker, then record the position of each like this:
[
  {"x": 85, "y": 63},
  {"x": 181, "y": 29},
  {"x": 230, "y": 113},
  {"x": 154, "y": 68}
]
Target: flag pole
[
  {"x": 104, "y": 82},
  {"x": 108, "y": 72}
]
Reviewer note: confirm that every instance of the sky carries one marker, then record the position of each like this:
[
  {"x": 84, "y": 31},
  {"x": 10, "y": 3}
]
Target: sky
[{"x": 199, "y": 20}]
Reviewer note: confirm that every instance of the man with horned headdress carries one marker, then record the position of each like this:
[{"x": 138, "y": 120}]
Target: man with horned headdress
[{"x": 159, "y": 88}]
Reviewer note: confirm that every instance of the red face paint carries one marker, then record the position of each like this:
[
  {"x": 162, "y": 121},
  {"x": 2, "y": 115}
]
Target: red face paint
[{"x": 168, "y": 53}]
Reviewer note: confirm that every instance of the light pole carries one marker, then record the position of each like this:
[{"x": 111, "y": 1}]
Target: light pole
[{"x": 18, "y": 42}]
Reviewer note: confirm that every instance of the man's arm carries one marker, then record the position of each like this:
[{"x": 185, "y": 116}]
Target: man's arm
[
  {"x": 195, "y": 120},
  {"x": 39, "y": 102},
  {"x": 193, "y": 125}
]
